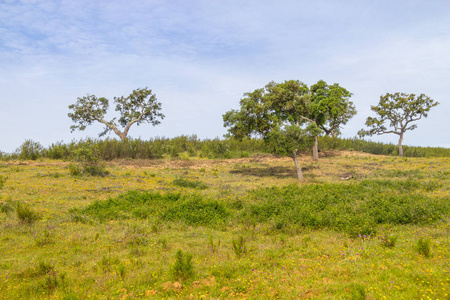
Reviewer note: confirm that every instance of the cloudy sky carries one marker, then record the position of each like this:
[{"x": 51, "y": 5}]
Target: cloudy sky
[{"x": 199, "y": 57}]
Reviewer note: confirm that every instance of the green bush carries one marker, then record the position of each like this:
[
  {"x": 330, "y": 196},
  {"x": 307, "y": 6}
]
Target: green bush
[
  {"x": 195, "y": 184},
  {"x": 183, "y": 268},
  {"x": 133, "y": 204},
  {"x": 239, "y": 246},
  {"x": 424, "y": 247},
  {"x": 388, "y": 241},
  {"x": 191, "y": 209},
  {"x": 30, "y": 150},
  {"x": 194, "y": 210},
  {"x": 356, "y": 208},
  {"x": 88, "y": 163},
  {"x": 357, "y": 292},
  {"x": 2, "y": 181},
  {"x": 5, "y": 207},
  {"x": 25, "y": 213}
]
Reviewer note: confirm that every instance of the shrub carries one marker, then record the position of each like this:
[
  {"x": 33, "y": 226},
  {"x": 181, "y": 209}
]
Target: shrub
[
  {"x": 183, "y": 268},
  {"x": 89, "y": 163},
  {"x": 2, "y": 181},
  {"x": 356, "y": 208},
  {"x": 424, "y": 247},
  {"x": 25, "y": 213},
  {"x": 239, "y": 246},
  {"x": 30, "y": 150},
  {"x": 195, "y": 184},
  {"x": 133, "y": 204},
  {"x": 388, "y": 241},
  {"x": 5, "y": 207},
  {"x": 196, "y": 211},
  {"x": 357, "y": 292}
]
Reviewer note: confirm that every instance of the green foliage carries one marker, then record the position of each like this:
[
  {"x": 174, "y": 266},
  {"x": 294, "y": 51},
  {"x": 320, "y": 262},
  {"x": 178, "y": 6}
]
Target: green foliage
[
  {"x": 5, "y": 207},
  {"x": 110, "y": 149},
  {"x": 212, "y": 245},
  {"x": 239, "y": 246},
  {"x": 197, "y": 211},
  {"x": 191, "y": 209},
  {"x": 399, "y": 110},
  {"x": 195, "y": 184},
  {"x": 330, "y": 107},
  {"x": 354, "y": 144},
  {"x": 356, "y": 208},
  {"x": 357, "y": 292},
  {"x": 58, "y": 150},
  {"x": 46, "y": 237},
  {"x": 424, "y": 247},
  {"x": 88, "y": 163},
  {"x": 30, "y": 150},
  {"x": 279, "y": 113},
  {"x": 133, "y": 204},
  {"x": 389, "y": 241},
  {"x": 2, "y": 181},
  {"x": 141, "y": 106},
  {"x": 291, "y": 140},
  {"x": 26, "y": 214},
  {"x": 121, "y": 271},
  {"x": 183, "y": 268}
]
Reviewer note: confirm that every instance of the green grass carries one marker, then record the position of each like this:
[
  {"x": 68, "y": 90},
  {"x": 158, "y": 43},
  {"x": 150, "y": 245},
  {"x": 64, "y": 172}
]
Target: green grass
[{"x": 254, "y": 233}]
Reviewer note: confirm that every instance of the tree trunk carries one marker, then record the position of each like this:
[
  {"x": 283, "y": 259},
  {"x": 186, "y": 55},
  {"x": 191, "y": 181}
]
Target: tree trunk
[
  {"x": 400, "y": 147},
  {"x": 122, "y": 135},
  {"x": 316, "y": 148},
  {"x": 297, "y": 166}
]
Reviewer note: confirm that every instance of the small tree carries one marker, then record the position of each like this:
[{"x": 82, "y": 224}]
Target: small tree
[
  {"x": 30, "y": 150},
  {"x": 330, "y": 108},
  {"x": 141, "y": 106},
  {"x": 325, "y": 106},
  {"x": 400, "y": 110},
  {"x": 275, "y": 114}
]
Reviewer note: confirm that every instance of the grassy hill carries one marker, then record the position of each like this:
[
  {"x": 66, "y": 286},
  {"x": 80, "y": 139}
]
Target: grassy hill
[{"x": 361, "y": 226}]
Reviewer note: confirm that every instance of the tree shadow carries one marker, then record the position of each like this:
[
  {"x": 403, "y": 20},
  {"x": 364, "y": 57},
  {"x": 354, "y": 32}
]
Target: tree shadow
[{"x": 279, "y": 172}]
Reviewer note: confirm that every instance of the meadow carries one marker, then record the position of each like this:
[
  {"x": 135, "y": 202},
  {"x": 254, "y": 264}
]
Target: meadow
[{"x": 361, "y": 226}]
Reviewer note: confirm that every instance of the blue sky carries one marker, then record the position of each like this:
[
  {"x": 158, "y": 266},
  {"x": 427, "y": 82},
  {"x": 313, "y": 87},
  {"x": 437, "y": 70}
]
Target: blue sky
[{"x": 200, "y": 57}]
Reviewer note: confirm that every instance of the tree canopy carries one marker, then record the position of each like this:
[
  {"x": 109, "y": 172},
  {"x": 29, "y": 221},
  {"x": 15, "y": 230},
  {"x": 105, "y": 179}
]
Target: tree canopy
[
  {"x": 326, "y": 106},
  {"x": 275, "y": 114},
  {"x": 141, "y": 106},
  {"x": 399, "y": 110}
]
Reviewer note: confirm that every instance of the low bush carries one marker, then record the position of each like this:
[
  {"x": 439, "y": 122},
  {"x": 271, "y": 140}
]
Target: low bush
[
  {"x": 192, "y": 209},
  {"x": 2, "y": 181},
  {"x": 195, "y": 210},
  {"x": 195, "y": 184},
  {"x": 424, "y": 247},
  {"x": 183, "y": 268},
  {"x": 88, "y": 163},
  {"x": 25, "y": 213},
  {"x": 30, "y": 150},
  {"x": 356, "y": 208}
]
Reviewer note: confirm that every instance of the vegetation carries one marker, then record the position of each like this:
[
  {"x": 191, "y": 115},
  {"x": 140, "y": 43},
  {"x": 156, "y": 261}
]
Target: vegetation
[
  {"x": 141, "y": 106},
  {"x": 278, "y": 112},
  {"x": 190, "y": 147},
  {"x": 254, "y": 233},
  {"x": 87, "y": 162},
  {"x": 400, "y": 110}
]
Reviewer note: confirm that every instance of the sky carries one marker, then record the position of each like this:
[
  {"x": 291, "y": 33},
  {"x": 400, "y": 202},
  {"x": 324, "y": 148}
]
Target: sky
[{"x": 200, "y": 56}]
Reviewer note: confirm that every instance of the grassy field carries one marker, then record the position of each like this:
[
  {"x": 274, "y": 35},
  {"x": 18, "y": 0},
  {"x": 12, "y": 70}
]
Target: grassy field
[{"x": 227, "y": 229}]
